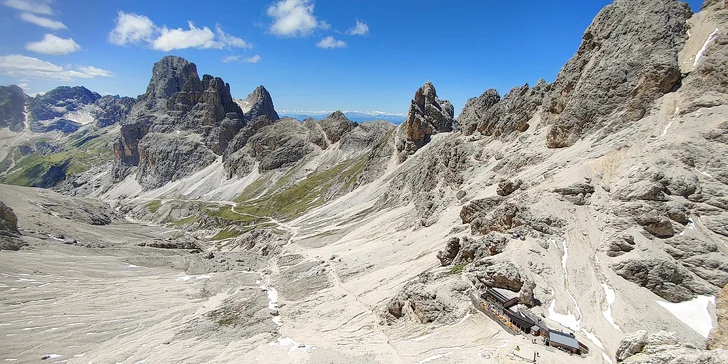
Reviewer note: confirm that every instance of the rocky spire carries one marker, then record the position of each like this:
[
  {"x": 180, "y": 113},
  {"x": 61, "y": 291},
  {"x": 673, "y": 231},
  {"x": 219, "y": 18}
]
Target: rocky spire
[
  {"x": 427, "y": 115},
  {"x": 260, "y": 103}
]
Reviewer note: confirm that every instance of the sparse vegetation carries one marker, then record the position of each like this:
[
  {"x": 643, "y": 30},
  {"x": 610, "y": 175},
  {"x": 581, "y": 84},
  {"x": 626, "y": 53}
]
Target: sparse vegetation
[
  {"x": 458, "y": 268},
  {"x": 309, "y": 193},
  {"x": 227, "y": 233},
  {"x": 186, "y": 221},
  {"x": 153, "y": 206}
]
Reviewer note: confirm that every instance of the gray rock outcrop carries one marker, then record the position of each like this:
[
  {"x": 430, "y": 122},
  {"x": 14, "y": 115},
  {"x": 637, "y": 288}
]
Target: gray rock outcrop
[
  {"x": 665, "y": 278},
  {"x": 12, "y": 107},
  {"x": 491, "y": 115},
  {"x": 430, "y": 298},
  {"x": 628, "y": 58},
  {"x": 259, "y": 103},
  {"x": 336, "y": 125},
  {"x": 177, "y": 100},
  {"x": 428, "y": 115},
  {"x": 664, "y": 347}
]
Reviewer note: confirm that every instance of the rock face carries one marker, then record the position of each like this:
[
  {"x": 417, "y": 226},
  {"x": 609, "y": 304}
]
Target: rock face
[
  {"x": 8, "y": 220},
  {"x": 112, "y": 109},
  {"x": 12, "y": 107},
  {"x": 719, "y": 335},
  {"x": 336, "y": 125},
  {"x": 664, "y": 347},
  {"x": 46, "y": 112},
  {"x": 430, "y": 298},
  {"x": 628, "y": 58},
  {"x": 427, "y": 115},
  {"x": 669, "y": 280},
  {"x": 9, "y": 239},
  {"x": 258, "y": 103},
  {"x": 491, "y": 115},
  {"x": 177, "y": 100}
]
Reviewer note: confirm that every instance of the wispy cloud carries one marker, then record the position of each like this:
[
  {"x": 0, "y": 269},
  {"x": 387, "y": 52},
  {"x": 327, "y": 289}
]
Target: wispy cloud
[
  {"x": 16, "y": 65},
  {"x": 42, "y": 21},
  {"x": 30, "y": 6},
  {"x": 331, "y": 42},
  {"x": 294, "y": 18},
  {"x": 238, "y": 58},
  {"x": 132, "y": 28},
  {"x": 138, "y": 29},
  {"x": 360, "y": 28},
  {"x": 54, "y": 45}
]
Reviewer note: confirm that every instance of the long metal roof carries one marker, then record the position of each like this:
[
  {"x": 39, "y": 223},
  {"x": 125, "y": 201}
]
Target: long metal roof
[{"x": 564, "y": 340}]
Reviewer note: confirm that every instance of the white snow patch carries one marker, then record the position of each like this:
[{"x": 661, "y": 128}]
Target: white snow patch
[
  {"x": 691, "y": 226},
  {"x": 434, "y": 357},
  {"x": 272, "y": 298},
  {"x": 132, "y": 266},
  {"x": 53, "y": 356},
  {"x": 611, "y": 296},
  {"x": 704, "y": 173},
  {"x": 294, "y": 346},
  {"x": 664, "y": 132},
  {"x": 693, "y": 313},
  {"x": 277, "y": 320},
  {"x": 565, "y": 257},
  {"x": 606, "y": 358},
  {"x": 417, "y": 339},
  {"x": 702, "y": 50},
  {"x": 590, "y": 335},
  {"x": 568, "y": 320},
  {"x": 463, "y": 319}
]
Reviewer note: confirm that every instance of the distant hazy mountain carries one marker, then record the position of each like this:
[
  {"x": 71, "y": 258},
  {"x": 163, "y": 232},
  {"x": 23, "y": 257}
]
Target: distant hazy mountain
[{"x": 357, "y": 116}]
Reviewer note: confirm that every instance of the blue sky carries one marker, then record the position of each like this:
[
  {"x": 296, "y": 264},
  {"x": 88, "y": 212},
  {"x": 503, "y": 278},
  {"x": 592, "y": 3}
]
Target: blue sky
[{"x": 379, "y": 52}]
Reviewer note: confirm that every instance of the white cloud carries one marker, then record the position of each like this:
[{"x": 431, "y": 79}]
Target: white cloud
[
  {"x": 230, "y": 40},
  {"x": 171, "y": 39},
  {"x": 132, "y": 28},
  {"x": 31, "y": 6},
  {"x": 253, "y": 59},
  {"x": 42, "y": 21},
  {"x": 293, "y": 18},
  {"x": 16, "y": 65},
  {"x": 139, "y": 29},
  {"x": 52, "y": 44},
  {"x": 330, "y": 42},
  {"x": 360, "y": 28}
]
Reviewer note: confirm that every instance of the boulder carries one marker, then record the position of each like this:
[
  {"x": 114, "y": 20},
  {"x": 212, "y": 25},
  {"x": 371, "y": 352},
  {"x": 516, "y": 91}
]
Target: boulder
[
  {"x": 498, "y": 274},
  {"x": 506, "y": 187},
  {"x": 8, "y": 220},
  {"x": 577, "y": 193},
  {"x": 451, "y": 251}
]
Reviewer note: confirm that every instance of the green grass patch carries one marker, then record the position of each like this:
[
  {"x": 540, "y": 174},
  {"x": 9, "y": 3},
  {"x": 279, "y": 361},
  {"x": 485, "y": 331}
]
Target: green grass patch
[
  {"x": 291, "y": 202},
  {"x": 458, "y": 268},
  {"x": 153, "y": 206},
  {"x": 186, "y": 221},
  {"x": 253, "y": 190},
  {"x": 224, "y": 234}
]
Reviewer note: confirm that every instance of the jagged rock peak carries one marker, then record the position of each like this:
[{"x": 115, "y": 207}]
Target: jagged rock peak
[
  {"x": 338, "y": 115},
  {"x": 627, "y": 59},
  {"x": 336, "y": 125},
  {"x": 427, "y": 115},
  {"x": 169, "y": 75},
  {"x": 259, "y": 103}
]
